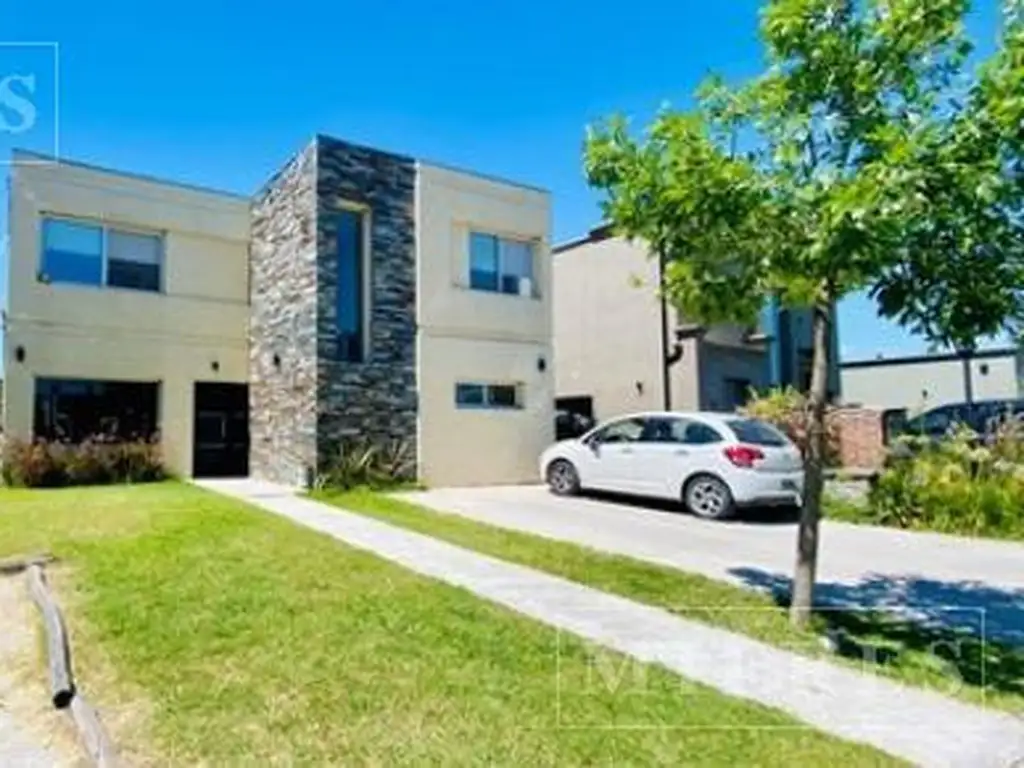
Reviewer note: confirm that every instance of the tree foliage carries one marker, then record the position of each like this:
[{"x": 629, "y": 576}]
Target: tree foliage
[{"x": 863, "y": 158}]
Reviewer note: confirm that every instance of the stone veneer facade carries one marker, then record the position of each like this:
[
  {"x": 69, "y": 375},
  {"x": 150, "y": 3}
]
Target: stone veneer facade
[{"x": 303, "y": 400}]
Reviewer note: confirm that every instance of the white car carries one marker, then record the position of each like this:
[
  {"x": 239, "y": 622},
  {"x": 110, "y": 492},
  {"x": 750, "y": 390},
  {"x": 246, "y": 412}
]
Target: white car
[{"x": 712, "y": 462}]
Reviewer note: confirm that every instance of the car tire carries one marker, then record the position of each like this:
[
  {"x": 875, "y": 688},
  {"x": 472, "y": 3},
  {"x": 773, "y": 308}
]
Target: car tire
[
  {"x": 708, "y": 497},
  {"x": 562, "y": 477}
]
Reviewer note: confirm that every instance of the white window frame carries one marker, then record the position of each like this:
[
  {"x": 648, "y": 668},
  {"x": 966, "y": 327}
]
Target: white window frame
[
  {"x": 104, "y": 228},
  {"x": 532, "y": 243}
]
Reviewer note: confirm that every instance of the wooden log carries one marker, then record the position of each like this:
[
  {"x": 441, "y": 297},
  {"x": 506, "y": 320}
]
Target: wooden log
[
  {"x": 62, "y": 686},
  {"x": 14, "y": 565},
  {"x": 94, "y": 738}
]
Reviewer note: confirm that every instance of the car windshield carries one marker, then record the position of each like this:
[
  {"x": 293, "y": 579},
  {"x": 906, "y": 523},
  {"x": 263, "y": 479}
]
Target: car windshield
[{"x": 756, "y": 432}]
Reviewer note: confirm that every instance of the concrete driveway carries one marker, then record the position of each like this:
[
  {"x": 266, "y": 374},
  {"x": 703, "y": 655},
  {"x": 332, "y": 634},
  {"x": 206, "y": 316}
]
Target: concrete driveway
[{"x": 966, "y": 583}]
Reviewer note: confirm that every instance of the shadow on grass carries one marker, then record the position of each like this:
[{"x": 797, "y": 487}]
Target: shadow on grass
[{"x": 970, "y": 628}]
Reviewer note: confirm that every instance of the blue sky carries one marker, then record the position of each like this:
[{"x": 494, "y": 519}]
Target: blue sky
[{"x": 220, "y": 94}]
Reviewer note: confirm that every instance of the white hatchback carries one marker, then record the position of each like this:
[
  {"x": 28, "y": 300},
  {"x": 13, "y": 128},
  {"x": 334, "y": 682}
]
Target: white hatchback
[{"x": 712, "y": 462}]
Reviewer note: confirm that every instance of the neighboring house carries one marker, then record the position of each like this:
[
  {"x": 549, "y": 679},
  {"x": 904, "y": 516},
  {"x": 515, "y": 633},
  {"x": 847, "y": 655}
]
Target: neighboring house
[
  {"x": 608, "y": 339},
  {"x": 922, "y": 382},
  {"x": 359, "y": 294}
]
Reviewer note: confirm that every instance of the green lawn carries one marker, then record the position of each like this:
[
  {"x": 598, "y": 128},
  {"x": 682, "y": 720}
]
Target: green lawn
[
  {"x": 247, "y": 640},
  {"x": 957, "y": 665}
]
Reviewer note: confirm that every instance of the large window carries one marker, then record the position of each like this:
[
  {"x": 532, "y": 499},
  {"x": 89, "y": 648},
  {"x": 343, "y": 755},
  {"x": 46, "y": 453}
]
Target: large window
[
  {"x": 498, "y": 396},
  {"x": 500, "y": 265},
  {"x": 93, "y": 254},
  {"x": 73, "y": 410},
  {"x": 351, "y": 286}
]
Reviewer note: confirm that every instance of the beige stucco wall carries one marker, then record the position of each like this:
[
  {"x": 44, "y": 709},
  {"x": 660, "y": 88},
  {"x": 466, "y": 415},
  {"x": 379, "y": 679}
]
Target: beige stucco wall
[
  {"x": 922, "y": 385},
  {"x": 480, "y": 337},
  {"x": 607, "y": 321},
  {"x": 174, "y": 337}
]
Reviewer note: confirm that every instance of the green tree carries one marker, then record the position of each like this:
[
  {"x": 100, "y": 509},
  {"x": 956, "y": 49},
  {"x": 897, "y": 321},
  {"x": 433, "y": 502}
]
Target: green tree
[{"x": 861, "y": 159}]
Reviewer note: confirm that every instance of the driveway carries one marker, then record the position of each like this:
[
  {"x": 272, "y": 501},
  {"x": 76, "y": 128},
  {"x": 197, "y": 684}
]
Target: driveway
[{"x": 976, "y": 585}]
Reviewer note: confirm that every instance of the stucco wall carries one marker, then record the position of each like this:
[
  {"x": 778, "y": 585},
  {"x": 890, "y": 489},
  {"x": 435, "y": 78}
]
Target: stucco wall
[
  {"x": 927, "y": 384},
  {"x": 480, "y": 337},
  {"x": 606, "y": 329},
  {"x": 174, "y": 337}
]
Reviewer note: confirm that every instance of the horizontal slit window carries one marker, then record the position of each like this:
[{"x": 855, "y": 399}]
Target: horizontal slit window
[{"x": 494, "y": 396}]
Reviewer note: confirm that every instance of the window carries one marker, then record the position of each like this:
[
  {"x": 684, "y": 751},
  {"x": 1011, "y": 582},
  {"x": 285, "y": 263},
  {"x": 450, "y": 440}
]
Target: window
[
  {"x": 92, "y": 254},
  {"x": 666, "y": 430},
  {"x": 500, "y": 265},
  {"x": 756, "y": 432},
  {"x": 351, "y": 286},
  {"x": 625, "y": 431},
  {"x": 73, "y": 410},
  {"x": 498, "y": 396}
]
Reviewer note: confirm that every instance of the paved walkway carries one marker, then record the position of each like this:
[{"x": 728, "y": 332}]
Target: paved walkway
[
  {"x": 919, "y": 726},
  {"x": 946, "y": 579}
]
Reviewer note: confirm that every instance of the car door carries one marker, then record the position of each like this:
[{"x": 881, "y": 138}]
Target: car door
[
  {"x": 670, "y": 449},
  {"x": 608, "y": 463}
]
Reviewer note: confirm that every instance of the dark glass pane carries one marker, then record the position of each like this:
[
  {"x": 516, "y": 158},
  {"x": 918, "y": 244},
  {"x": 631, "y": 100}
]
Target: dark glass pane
[
  {"x": 469, "y": 394},
  {"x": 131, "y": 274},
  {"x": 350, "y": 286},
  {"x": 72, "y": 252},
  {"x": 74, "y": 410},
  {"x": 483, "y": 281},
  {"x": 65, "y": 267},
  {"x": 483, "y": 262},
  {"x": 502, "y": 396}
]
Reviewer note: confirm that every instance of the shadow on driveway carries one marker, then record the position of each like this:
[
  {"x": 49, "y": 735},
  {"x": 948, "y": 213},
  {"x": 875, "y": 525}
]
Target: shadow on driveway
[{"x": 744, "y": 515}]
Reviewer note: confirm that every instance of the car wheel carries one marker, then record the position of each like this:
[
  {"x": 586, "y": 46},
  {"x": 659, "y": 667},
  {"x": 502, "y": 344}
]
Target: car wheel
[
  {"x": 563, "y": 480},
  {"x": 709, "y": 497}
]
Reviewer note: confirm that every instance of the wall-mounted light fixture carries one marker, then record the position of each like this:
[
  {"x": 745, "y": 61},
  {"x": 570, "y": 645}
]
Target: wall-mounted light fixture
[
  {"x": 639, "y": 387},
  {"x": 19, "y": 354},
  {"x": 542, "y": 364},
  {"x": 215, "y": 366},
  {"x": 277, "y": 362}
]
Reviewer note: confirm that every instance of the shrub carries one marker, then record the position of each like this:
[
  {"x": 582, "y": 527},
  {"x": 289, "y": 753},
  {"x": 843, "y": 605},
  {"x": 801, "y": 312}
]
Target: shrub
[
  {"x": 362, "y": 463},
  {"x": 52, "y": 464},
  {"x": 790, "y": 411},
  {"x": 952, "y": 486}
]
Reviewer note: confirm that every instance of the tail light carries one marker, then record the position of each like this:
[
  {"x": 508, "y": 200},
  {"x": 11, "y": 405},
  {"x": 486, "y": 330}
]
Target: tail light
[{"x": 743, "y": 455}]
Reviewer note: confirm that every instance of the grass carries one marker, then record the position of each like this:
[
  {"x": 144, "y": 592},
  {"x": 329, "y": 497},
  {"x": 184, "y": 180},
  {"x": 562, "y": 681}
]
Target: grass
[
  {"x": 249, "y": 640},
  {"x": 954, "y": 664}
]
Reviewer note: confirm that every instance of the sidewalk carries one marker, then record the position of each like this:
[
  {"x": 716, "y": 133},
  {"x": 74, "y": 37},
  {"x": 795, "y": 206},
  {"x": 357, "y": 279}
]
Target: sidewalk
[{"x": 922, "y": 727}]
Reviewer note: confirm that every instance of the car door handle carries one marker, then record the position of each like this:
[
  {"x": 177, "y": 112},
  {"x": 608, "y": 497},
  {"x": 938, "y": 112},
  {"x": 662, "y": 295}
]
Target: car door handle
[
  {"x": 681, "y": 452},
  {"x": 627, "y": 450}
]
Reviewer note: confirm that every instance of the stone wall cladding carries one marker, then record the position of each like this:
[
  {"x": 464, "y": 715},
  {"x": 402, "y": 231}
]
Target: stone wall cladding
[
  {"x": 283, "y": 324},
  {"x": 377, "y": 398}
]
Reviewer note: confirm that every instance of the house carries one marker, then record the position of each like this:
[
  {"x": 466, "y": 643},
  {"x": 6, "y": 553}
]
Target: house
[
  {"x": 359, "y": 294},
  {"x": 921, "y": 382},
  {"x": 609, "y": 341}
]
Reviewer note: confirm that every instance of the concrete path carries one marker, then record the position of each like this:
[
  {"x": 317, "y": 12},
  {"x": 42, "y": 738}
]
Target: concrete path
[
  {"x": 919, "y": 726},
  {"x": 963, "y": 583}
]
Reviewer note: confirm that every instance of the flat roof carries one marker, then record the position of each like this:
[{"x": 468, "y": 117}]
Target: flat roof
[
  {"x": 128, "y": 174},
  {"x": 597, "y": 234},
  {"x": 981, "y": 354}
]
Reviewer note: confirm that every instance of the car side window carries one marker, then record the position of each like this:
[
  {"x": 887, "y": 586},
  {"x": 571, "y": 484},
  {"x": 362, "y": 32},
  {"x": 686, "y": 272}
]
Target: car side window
[
  {"x": 700, "y": 434},
  {"x": 624, "y": 431}
]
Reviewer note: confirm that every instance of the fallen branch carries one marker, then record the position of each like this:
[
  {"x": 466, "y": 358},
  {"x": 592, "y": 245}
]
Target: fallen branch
[
  {"x": 62, "y": 686},
  {"x": 10, "y": 566}
]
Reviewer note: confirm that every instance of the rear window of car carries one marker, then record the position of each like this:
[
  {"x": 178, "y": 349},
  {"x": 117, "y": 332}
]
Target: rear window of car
[{"x": 756, "y": 432}]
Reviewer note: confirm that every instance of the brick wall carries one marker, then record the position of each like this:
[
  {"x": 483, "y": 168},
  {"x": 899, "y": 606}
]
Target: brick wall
[{"x": 861, "y": 441}]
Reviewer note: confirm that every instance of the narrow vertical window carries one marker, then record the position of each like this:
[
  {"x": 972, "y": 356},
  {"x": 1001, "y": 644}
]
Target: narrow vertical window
[{"x": 351, "y": 290}]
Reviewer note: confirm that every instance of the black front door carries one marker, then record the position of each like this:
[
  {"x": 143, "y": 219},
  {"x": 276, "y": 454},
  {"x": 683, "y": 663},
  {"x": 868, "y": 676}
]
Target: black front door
[{"x": 221, "y": 431}]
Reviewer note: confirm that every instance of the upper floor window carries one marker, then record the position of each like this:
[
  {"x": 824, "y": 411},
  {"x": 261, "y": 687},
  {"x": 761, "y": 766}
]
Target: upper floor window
[
  {"x": 93, "y": 254},
  {"x": 351, "y": 307},
  {"x": 501, "y": 265}
]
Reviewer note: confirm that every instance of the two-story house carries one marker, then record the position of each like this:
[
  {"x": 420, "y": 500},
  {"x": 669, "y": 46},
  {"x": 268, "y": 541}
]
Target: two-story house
[
  {"x": 613, "y": 344},
  {"x": 358, "y": 294}
]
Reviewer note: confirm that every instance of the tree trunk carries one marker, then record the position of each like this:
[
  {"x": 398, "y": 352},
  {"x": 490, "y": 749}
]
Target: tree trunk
[{"x": 810, "y": 514}]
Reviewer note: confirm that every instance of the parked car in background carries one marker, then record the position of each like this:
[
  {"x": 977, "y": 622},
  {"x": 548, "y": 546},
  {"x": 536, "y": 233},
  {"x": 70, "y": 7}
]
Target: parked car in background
[
  {"x": 983, "y": 417},
  {"x": 712, "y": 462}
]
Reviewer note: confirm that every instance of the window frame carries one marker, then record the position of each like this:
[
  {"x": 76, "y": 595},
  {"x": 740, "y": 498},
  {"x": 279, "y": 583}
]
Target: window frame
[
  {"x": 499, "y": 239},
  {"x": 486, "y": 403},
  {"x": 104, "y": 227},
  {"x": 597, "y": 435},
  {"x": 365, "y": 276}
]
